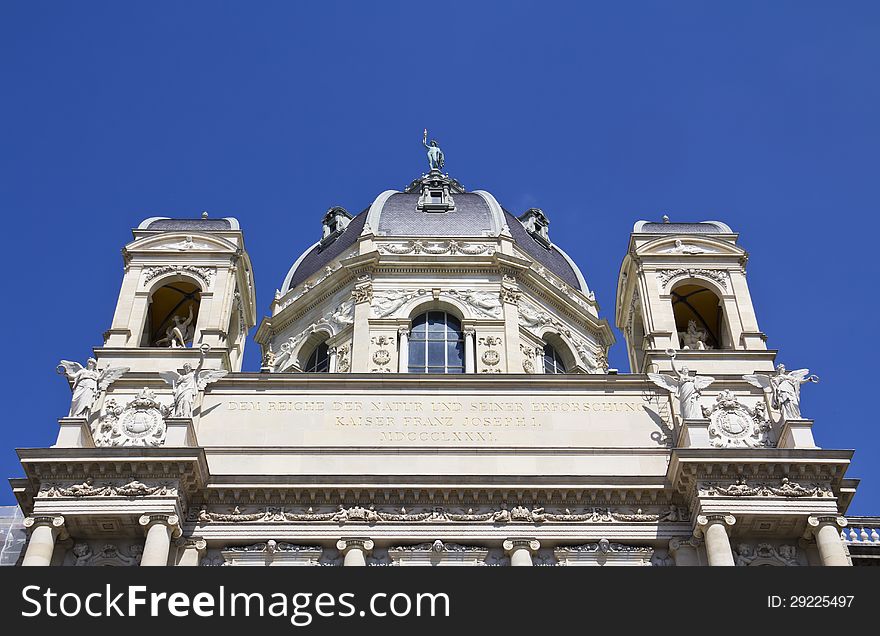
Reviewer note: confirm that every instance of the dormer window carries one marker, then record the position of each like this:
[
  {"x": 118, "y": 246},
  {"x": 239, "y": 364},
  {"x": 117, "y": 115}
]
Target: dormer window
[
  {"x": 435, "y": 197},
  {"x": 537, "y": 225},
  {"x": 334, "y": 223}
]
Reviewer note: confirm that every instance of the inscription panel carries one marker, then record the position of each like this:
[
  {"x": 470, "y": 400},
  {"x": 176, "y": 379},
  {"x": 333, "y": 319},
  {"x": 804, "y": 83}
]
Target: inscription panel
[{"x": 429, "y": 420}]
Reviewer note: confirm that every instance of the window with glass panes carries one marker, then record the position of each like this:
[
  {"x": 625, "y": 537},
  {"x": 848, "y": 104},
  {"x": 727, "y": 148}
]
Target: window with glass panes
[
  {"x": 436, "y": 344},
  {"x": 319, "y": 361},
  {"x": 552, "y": 361}
]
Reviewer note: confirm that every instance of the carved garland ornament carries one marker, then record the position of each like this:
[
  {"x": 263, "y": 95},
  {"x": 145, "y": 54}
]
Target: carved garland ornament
[
  {"x": 371, "y": 515},
  {"x": 88, "y": 488},
  {"x": 204, "y": 274},
  {"x": 436, "y": 248},
  {"x": 786, "y": 488},
  {"x": 717, "y": 275}
]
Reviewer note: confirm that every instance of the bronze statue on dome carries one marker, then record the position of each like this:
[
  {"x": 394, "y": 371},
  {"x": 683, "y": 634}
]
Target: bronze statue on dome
[{"x": 436, "y": 158}]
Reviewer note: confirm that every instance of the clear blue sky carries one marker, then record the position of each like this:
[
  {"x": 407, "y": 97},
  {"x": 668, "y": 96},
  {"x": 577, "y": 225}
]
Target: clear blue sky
[{"x": 760, "y": 114}]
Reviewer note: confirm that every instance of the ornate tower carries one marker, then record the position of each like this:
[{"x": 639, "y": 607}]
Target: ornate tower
[
  {"x": 682, "y": 287},
  {"x": 187, "y": 282}
]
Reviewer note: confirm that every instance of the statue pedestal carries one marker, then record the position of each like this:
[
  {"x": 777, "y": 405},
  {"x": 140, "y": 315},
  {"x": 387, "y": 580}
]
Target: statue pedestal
[
  {"x": 74, "y": 432},
  {"x": 179, "y": 432},
  {"x": 797, "y": 434},
  {"x": 694, "y": 434}
]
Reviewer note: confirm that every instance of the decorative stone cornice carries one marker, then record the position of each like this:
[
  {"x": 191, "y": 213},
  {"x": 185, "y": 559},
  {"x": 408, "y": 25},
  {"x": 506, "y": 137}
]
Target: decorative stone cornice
[
  {"x": 512, "y": 544},
  {"x": 605, "y": 547},
  {"x": 172, "y": 521}
]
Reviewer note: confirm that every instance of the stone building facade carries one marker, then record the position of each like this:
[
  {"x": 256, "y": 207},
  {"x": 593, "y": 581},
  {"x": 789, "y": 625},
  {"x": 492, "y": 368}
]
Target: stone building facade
[{"x": 434, "y": 390}]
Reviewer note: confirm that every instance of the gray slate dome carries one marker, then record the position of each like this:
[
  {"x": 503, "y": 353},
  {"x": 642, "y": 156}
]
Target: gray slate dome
[{"x": 398, "y": 214}]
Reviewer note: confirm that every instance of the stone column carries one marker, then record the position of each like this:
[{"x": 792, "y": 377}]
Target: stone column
[
  {"x": 714, "y": 529},
  {"x": 44, "y": 530},
  {"x": 332, "y": 365},
  {"x": 521, "y": 550},
  {"x": 160, "y": 529},
  {"x": 826, "y": 530},
  {"x": 192, "y": 550},
  {"x": 355, "y": 550},
  {"x": 684, "y": 551},
  {"x": 470, "y": 360},
  {"x": 403, "y": 350}
]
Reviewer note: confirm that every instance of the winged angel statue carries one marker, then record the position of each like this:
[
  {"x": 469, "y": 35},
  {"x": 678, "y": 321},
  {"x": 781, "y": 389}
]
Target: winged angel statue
[
  {"x": 785, "y": 389},
  {"x": 187, "y": 384},
  {"x": 687, "y": 387},
  {"x": 86, "y": 383}
]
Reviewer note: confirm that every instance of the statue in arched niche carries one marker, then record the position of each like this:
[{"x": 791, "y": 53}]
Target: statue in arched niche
[{"x": 178, "y": 332}]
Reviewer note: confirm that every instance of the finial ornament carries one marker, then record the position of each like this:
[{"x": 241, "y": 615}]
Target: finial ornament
[
  {"x": 204, "y": 214},
  {"x": 666, "y": 218},
  {"x": 436, "y": 159}
]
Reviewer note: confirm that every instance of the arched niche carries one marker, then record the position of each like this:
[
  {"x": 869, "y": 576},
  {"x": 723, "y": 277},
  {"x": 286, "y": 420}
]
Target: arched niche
[
  {"x": 172, "y": 313},
  {"x": 700, "y": 321}
]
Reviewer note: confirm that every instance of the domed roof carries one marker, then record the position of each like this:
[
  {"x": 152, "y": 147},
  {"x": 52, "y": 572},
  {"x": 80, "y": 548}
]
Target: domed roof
[
  {"x": 666, "y": 227},
  {"x": 454, "y": 212}
]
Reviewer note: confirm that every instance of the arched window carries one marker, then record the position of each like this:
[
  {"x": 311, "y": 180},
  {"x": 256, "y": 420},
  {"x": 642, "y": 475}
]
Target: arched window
[
  {"x": 552, "y": 360},
  {"x": 319, "y": 360},
  {"x": 172, "y": 316},
  {"x": 699, "y": 318},
  {"x": 436, "y": 344}
]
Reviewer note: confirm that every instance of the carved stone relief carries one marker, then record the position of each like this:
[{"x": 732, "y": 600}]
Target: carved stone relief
[
  {"x": 734, "y": 424},
  {"x": 204, "y": 274},
  {"x": 141, "y": 422},
  {"x": 785, "y": 488}
]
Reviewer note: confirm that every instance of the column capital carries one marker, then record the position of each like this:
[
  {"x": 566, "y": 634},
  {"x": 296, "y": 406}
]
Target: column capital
[
  {"x": 56, "y": 522},
  {"x": 814, "y": 522},
  {"x": 469, "y": 331},
  {"x": 403, "y": 330},
  {"x": 704, "y": 521},
  {"x": 532, "y": 545},
  {"x": 196, "y": 543},
  {"x": 172, "y": 521},
  {"x": 676, "y": 543},
  {"x": 347, "y": 543}
]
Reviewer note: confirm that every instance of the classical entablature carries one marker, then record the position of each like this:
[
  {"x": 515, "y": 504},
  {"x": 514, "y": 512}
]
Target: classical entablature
[{"x": 434, "y": 390}]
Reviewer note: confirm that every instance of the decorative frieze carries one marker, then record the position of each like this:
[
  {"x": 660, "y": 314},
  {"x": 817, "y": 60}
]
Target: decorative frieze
[
  {"x": 785, "y": 488},
  {"x": 502, "y": 515},
  {"x": 88, "y": 488},
  {"x": 719, "y": 276},
  {"x": 204, "y": 274},
  {"x": 108, "y": 555},
  {"x": 436, "y": 248},
  {"x": 765, "y": 554}
]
